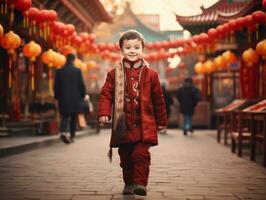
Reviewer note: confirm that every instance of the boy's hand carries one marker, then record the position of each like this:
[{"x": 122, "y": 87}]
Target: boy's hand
[{"x": 104, "y": 119}]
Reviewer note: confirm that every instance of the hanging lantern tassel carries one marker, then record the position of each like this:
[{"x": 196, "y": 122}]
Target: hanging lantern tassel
[
  {"x": 10, "y": 72},
  {"x": 12, "y": 14},
  {"x": 5, "y": 6},
  {"x": 34, "y": 26},
  {"x": 249, "y": 37},
  {"x": 45, "y": 31},
  {"x": 2, "y": 8},
  {"x": 32, "y": 76},
  {"x": 209, "y": 85},
  {"x": 27, "y": 21},
  {"x": 257, "y": 32}
]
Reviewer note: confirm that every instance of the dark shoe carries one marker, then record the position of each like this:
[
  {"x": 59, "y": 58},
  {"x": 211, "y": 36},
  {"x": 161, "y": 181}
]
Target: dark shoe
[
  {"x": 129, "y": 189},
  {"x": 185, "y": 132},
  {"x": 64, "y": 138},
  {"x": 191, "y": 130},
  {"x": 140, "y": 190}
]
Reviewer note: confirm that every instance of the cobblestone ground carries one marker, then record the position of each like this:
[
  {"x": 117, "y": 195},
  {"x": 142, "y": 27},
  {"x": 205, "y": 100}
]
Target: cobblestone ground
[{"x": 191, "y": 167}]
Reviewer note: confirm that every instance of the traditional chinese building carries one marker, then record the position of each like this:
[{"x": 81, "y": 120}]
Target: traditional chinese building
[
  {"x": 83, "y": 14},
  {"x": 219, "y": 13},
  {"x": 110, "y": 33}
]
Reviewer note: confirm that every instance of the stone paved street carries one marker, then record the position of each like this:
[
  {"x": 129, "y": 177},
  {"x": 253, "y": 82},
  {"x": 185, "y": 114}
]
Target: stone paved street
[{"x": 193, "y": 167}]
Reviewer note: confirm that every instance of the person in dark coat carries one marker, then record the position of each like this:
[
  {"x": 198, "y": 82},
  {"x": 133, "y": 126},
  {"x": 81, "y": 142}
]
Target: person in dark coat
[
  {"x": 188, "y": 97},
  {"x": 69, "y": 91},
  {"x": 168, "y": 100}
]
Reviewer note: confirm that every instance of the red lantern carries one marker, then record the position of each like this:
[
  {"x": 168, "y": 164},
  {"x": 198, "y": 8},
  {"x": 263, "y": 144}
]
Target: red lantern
[
  {"x": 198, "y": 68},
  {"x": 22, "y": 5},
  {"x": 220, "y": 30},
  {"x": 204, "y": 38},
  {"x": 226, "y": 28},
  {"x": 219, "y": 62},
  {"x": 250, "y": 57},
  {"x": 84, "y": 36},
  {"x": 229, "y": 57},
  {"x": 33, "y": 13},
  {"x": 196, "y": 38},
  {"x": 65, "y": 50},
  {"x": 10, "y": 41},
  {"x": 264, "y": 4},
  {"x": 232, "y": 25},
  {"x": 32, "y": 50},
  {"x": 248, "y": 20},
  {"x": 258, "y": 16},
  {"x": 70, "y": 28},
  {"x": 240, "y": 22},
  {"x": 261, "y": 48},
  {"x": 209, "y": 66},
  {"x": 52, "y": 16},
  {"x": 92, "y": 37},
  {"x": 213, "y": 33},
  {"x": 48, "y": 57}
]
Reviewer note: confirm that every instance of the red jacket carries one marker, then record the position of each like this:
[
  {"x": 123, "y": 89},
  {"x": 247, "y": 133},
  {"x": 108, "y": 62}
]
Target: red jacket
[{"x": 152, "y": 106}]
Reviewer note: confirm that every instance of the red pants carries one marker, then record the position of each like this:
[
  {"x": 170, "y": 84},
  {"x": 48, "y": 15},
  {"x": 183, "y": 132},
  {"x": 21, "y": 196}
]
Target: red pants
[{"x": 135, "y": 162}]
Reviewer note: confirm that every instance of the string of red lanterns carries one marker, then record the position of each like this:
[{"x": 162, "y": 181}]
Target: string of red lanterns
[{"x": 61, "y": 34}]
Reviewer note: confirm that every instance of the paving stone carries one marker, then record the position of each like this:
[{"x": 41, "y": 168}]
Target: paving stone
[{"x": 191, "y": 167}]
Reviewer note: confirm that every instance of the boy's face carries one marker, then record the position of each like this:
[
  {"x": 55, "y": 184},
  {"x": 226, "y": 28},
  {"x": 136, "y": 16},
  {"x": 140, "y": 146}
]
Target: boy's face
[{"x": 132, "y": 49}]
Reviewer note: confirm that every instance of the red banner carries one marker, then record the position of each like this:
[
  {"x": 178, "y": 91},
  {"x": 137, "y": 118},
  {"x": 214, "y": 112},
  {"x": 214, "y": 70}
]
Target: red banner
[{"x": 249, "y": 79}]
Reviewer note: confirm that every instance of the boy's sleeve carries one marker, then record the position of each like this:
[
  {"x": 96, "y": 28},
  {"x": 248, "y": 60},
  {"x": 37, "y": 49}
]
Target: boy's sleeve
[
  {"x": 158, "y": 102},
  {"x": 106, "y": 96}
]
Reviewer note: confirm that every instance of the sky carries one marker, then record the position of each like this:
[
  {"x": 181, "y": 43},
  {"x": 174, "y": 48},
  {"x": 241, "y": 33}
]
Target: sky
[{"x": 167, "y": 8}]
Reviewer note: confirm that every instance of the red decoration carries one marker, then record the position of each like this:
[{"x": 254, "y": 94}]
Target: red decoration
[
  {"x": 232, "y": 25},
  {"x": 32, "y": 50},
  {"x": 33, "y": 13},
  {"x": 240, "y": 22},
  {"x": 264, "y": 4},
  {"x": 22, "y": 5},
  {"x": 213, "y": 33},
  {"x": 204, "y": 38},
  {"x": 258, "y": 16},
  {"x": 248, "y": 20},
  {"x": 250, "y": 57}
]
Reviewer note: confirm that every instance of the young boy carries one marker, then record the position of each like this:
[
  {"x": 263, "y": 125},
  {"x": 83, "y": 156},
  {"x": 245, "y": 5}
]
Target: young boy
[{"x": 133, "y": 90}]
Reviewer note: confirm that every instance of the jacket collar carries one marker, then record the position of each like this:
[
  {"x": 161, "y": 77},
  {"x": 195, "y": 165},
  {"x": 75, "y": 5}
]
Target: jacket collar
[{"x": 136, "y": 64}]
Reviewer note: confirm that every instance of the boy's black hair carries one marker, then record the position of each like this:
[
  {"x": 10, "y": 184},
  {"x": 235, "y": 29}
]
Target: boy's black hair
[
  {"x": 71, "y": 57},
  {"x": 131, "y": 35}
]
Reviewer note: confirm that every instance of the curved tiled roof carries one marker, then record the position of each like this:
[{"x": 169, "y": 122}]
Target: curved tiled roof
[{"x": 218, "y": 13}]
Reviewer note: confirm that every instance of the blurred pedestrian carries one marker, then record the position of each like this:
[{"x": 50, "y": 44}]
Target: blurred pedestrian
[
  {"x": 69, "y": 91},
  {"x": 168, "y": 100},
  {"x": 188, "y": 97},
  {"x": 134, "y": 91}
]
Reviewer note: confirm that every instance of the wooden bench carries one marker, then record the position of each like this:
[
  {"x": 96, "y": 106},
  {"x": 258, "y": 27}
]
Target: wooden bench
[
  {"x": 258, "y": 135},
  {"x": 240, "y": 130},
  {"x": 224, "y": 116}
]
